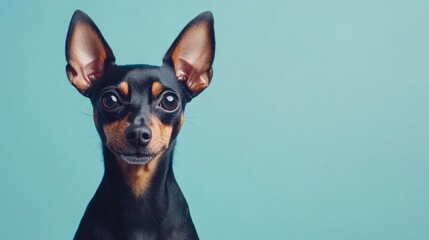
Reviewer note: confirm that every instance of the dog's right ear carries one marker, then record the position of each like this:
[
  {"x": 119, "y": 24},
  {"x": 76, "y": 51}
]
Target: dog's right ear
[
  {"x": 87, "y": 53},
  {"x": 192, "y": 54}
]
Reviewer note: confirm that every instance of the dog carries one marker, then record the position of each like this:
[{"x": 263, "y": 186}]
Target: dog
[{"x": 138, "y": 112}]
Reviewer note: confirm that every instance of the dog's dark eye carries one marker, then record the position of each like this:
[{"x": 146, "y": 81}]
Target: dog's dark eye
[
  {"x": 110, "y": 101},
  {"x": 169, "y": 101}
]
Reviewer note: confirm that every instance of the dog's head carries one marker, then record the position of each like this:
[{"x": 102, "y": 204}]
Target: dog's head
[{"x": 139, "y": 109}]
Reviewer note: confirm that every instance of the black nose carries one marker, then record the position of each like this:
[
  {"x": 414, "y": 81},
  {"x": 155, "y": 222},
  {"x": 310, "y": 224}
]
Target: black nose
[{"x": 138, "y": 135}]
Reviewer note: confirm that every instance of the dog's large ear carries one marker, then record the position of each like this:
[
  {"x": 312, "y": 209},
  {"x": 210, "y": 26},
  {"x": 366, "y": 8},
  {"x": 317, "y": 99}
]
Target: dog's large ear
[
  {"x": 192, "y": 53},
  {"x": 87, "y": 53}
]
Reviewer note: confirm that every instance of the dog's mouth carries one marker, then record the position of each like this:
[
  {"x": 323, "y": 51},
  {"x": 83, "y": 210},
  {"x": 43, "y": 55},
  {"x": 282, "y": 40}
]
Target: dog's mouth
[{"x": 138, "y": 158}]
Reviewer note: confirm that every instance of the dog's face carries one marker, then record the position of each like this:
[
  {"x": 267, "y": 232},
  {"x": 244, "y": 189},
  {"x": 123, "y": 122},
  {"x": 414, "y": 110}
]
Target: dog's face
[
  {"x": 139, "y": 109},
  {"x": 139, "y": 114}
]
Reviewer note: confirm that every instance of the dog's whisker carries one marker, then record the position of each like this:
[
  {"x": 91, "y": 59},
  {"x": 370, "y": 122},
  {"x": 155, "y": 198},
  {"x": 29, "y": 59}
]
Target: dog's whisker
[
  {"x": 86, "y": 114},
  {"x": 190, "y": 122}
]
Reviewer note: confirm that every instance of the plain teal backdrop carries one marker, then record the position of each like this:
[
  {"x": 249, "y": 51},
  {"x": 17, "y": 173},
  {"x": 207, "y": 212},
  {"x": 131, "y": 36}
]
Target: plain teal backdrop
[{"x": 316, "y": 125}]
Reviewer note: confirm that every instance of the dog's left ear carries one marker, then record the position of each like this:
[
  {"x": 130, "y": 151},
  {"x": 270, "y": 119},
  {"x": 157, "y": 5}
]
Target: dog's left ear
[
  {"x": 87, "y": 53},
  {"x": 192, "y": 54}
]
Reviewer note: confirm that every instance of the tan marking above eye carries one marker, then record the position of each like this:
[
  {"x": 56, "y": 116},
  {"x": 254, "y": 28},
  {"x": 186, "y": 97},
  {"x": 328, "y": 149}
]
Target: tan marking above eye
[
  {"x": 156, "y": 88},
  {"x": 124, "y": 88}
]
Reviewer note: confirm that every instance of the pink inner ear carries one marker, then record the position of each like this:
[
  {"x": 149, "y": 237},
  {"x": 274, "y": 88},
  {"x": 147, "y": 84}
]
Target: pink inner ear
[
  {"x": 192, "y": 57},
  {"x": 87, "y": 57},
  {"x": 196, "y": 81},
  {"x": 184, "y": 69}
]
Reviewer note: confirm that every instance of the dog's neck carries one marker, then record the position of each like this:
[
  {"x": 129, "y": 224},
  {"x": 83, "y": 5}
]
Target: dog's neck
[
  {"x": 160, "y": 213},
  {"x": 148, "y": 210}
]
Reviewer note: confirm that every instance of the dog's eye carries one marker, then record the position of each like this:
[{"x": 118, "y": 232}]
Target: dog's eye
[
  {"x": 110, "y": 101},
  {"x": 169, "y": 101}
]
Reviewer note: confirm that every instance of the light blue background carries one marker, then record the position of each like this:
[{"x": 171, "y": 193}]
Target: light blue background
[{"x": 315, "y": 126}]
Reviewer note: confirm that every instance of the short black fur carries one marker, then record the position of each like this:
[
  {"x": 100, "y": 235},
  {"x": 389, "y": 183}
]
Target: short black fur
[{"x": 115, "y": 212}]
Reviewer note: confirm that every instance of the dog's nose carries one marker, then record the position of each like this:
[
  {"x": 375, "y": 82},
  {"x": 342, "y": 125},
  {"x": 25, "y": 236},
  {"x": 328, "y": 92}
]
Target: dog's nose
[{"x": 138, "y": 135}]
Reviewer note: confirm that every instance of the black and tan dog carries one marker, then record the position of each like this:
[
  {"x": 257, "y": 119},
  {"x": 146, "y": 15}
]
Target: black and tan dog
[{"x": 138, "y": 112}]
